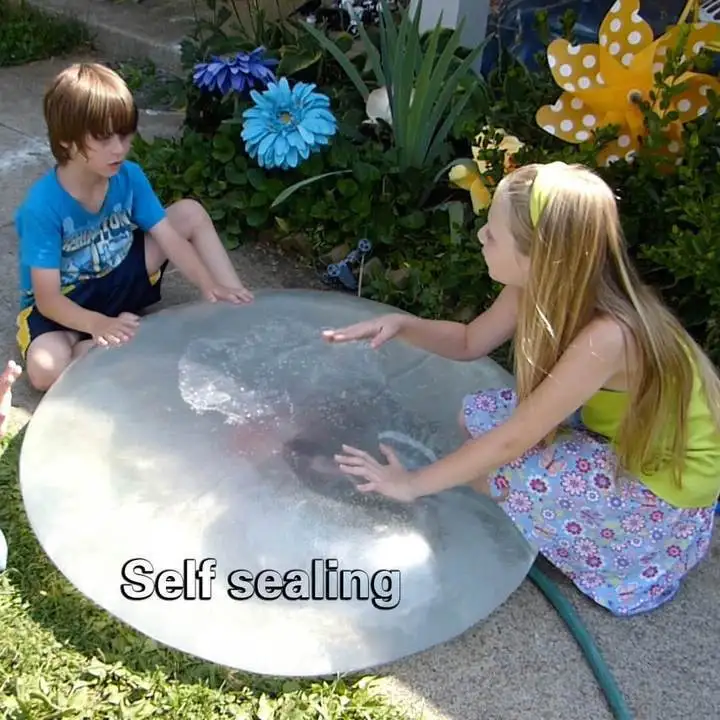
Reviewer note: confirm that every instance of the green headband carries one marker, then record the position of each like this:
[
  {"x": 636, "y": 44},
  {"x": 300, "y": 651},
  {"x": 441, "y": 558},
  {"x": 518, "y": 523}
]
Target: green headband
[{"x": 541, "y": 187}]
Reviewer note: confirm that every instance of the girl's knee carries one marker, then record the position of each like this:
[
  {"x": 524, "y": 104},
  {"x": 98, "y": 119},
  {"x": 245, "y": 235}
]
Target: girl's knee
[{"x": 47, "y": 358}]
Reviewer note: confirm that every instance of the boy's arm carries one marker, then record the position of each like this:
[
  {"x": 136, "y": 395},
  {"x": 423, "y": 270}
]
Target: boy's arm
[
  {"x": 50, "y": 301},
  {"x": 40, "y": 249}
]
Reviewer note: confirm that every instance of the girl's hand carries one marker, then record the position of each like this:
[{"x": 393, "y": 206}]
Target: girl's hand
[
  {"x": 391, "y": 480},
  {"x": 378, "y": 331}
]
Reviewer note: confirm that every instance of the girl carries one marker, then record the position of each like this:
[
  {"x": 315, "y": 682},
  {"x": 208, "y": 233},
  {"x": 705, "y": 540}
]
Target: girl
[{"x": 607, "y": 454}]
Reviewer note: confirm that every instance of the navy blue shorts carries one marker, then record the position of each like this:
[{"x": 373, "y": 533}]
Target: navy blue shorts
[{"x": 127, "y": 288}]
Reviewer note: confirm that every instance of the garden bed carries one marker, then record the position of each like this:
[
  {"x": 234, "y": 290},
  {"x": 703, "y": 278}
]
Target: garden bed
[
  {"x": 387, "y": 188},
  {"x": 28, "y": 34}
]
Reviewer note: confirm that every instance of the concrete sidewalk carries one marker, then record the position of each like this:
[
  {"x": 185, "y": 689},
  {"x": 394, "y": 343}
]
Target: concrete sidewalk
[{"x": 521, "y": 664}]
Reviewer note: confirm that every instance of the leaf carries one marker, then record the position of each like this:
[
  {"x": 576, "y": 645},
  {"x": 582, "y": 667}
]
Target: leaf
[
  {"x": 256, "y": 217},
  {"x": 256, "y": 177},
  {"x": 266, "y": 708},
  {"x": 223, "y": 148},
  {"x": 365, "y": 172},
  {"x": 285, "y": 194},
  {"x": 347, "y": 187},
  {"x": 235, "y": 176},
  {"x": 295, "y": 60},
  {"x": 325, "y": 42}
]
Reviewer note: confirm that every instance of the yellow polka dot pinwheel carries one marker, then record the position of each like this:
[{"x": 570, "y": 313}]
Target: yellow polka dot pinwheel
[{"x": 602, "y": 82}]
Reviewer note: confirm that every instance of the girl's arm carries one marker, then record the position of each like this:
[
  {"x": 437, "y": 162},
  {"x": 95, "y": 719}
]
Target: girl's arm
[
  {"x": 597, "y": 354},
  {"x": 457, "y": 341}
]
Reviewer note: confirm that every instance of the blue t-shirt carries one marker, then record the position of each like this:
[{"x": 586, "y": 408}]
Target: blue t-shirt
[{"x": 57, "y": 232}]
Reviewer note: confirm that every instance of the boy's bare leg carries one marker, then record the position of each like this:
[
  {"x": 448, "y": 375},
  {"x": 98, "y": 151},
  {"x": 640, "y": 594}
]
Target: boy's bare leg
[
  {"x": 49, "y": 355},
  {"x": 192, "y": 222}
]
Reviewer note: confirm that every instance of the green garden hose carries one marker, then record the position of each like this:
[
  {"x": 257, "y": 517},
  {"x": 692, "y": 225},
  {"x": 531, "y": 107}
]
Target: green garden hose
[{"x": 592, "y": 653}]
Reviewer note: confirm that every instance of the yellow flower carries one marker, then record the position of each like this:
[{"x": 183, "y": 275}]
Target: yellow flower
[
  {"x": 602, "y": 82},
  {"x": 471, "y": 175},
  {"x": 466, "y": 175}
]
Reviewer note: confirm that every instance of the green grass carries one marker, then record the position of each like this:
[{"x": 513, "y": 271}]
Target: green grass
[
  {"x": 62, "y": 657},
  {"x": 26, "y": 34}
]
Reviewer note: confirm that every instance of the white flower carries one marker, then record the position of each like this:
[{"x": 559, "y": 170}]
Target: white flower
[{"x": 377, "y": 107}]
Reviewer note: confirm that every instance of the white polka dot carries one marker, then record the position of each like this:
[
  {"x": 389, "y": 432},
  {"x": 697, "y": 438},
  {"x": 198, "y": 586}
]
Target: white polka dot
[
  {"x": 698, "y": 46},
  {"x": 634, "y": 38},
  {"x": 582, "y": 135},
  {"x": 615, "y": 25},
  {"x": 614, "y": 48},
  {"x": 629, "y": 156},
  {"x": 627, "y": 59},
  {"x": 573, "y": 49},
  {"x": 624, "y": 140},
  {"x": 576, "y": 103},
  {"x": 565, "y": 70},
  {"x": 612, "y": 158},
  {"x": 616, "y": 7},
  {"x": 674, "y": 147},
  {"x": 662, "y": 51},
  {"x": 702, "y": 110},
  {"x": 603, "y": 40},
  {"x": 589, "y": 121},
  {"x": 569, "y": 87},
  {"x": 684, "y": 105},
  {"x": 566, "y": 125},
  {"x": 551, "y": 60},
  {"x": 658, "y": 68},
  {"x": 589, "y": 61},
  {"x": 679, "y": 161},
  {"x": 704, "y": 90},
  {"x": 635, "y": 17},
  {"x": 584, "y": 83},
  {"x": 549, "y": 129},
  {"x": 557, "y": 107},
  {"x": 600, "y": 79}
]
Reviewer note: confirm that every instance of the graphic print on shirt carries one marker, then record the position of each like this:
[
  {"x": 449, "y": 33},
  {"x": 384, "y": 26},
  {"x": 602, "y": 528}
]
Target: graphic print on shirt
[{"x": 94, "y": 250}]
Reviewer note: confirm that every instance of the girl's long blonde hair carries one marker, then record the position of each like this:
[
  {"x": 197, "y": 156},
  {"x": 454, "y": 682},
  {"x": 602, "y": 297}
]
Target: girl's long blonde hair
[{"x": 579, "y": 267}]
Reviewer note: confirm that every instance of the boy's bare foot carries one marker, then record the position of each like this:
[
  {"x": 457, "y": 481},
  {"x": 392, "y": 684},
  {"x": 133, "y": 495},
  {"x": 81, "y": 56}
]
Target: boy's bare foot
[{"x": 11, "y": 373}]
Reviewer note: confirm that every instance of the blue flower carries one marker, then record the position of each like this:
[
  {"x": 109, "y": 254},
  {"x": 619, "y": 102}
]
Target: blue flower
[
  {"x": 287, "y": 125},
  {"x": 237, "y": 74}
]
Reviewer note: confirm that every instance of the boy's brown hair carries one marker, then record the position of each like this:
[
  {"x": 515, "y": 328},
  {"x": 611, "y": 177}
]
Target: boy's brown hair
[{"x": 87, "y": 99}]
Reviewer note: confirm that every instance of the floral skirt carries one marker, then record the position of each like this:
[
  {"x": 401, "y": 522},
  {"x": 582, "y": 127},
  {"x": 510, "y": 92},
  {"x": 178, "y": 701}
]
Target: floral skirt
[{"x": 619, "y": 543}]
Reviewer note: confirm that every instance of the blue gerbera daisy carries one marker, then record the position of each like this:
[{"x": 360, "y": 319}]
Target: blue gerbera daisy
[
  {"x": 286, "y": 125},
  {"x": 242, "y": 72}
]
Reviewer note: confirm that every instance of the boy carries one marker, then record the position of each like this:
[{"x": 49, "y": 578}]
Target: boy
[{"x": 94, "y": 238}]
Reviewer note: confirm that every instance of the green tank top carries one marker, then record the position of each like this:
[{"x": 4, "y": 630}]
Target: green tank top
[{"x": 603, "y": 413}]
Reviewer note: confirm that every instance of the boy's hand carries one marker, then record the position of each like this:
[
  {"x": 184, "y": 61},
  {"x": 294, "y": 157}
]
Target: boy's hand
[
  {"x": 115, "y": 331},
  {"x": 240, "y": 294}
]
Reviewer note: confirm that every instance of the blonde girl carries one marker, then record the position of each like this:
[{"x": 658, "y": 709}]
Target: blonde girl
[{"x": 606, "y": 455}]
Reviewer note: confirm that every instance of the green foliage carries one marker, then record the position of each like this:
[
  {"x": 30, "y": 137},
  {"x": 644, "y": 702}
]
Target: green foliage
[
  {"x": 422, "y": 80},
  {"x": 425, "y": 256},
  {"x": 27, "y": 34}
]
